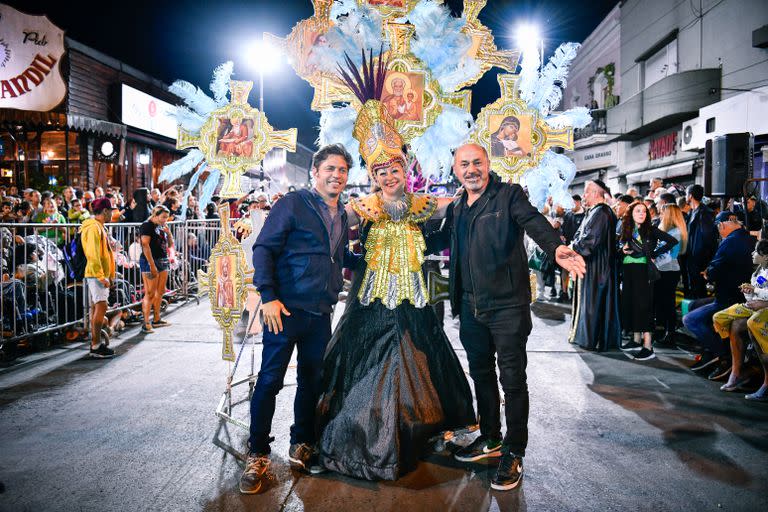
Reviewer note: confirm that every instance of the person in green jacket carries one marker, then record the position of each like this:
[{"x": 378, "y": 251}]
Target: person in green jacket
[{"x": 51, "y": 215}]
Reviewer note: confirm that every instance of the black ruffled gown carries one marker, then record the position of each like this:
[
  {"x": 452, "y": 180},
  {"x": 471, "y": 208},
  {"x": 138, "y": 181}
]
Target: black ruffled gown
[{"x": 391, "y": 380}]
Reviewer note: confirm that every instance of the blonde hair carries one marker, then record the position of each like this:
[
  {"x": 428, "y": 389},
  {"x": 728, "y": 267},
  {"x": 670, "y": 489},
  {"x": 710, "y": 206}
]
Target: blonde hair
[{"x": 672, "y": 217}]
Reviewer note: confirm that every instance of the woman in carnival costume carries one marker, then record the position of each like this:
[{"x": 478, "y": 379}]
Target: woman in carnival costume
[{"x": 391, "y": 379}]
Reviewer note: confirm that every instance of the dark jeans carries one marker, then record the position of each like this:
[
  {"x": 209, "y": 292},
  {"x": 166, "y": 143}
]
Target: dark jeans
[
  {"x": 699, "y": 322},
  {"x": 309, "y": 334},
  {"x": 503, "y": 332},
  {"x": 664, "y": 300}
]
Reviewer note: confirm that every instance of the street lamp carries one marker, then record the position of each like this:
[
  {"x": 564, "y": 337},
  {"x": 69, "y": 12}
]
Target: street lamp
[
  {"x": 528, "y": 36},
  {"x": 265, "y": 58}
]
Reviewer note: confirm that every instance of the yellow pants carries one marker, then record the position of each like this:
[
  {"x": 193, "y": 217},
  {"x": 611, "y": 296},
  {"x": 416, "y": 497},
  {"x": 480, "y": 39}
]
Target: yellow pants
[
  {"x": 722, "y": 320},
  {"x": 758, "y": 326}
]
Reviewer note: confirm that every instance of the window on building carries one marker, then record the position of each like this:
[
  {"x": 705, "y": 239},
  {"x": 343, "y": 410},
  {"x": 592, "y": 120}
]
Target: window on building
[
  {"x": 661, "y": 64},
  {"x": 710, "y": 127}
]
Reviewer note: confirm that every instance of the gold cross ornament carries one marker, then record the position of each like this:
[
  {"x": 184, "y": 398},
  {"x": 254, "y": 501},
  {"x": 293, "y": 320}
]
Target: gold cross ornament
[
  {"x": 235, "y": 138},
  {"x": 227, "y": 283},
  {"x": 514, "y": 134}
]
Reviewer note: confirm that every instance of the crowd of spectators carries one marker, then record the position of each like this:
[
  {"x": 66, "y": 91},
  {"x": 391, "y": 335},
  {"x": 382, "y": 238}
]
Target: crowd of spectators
[
  {"x": 39, "y": 230},
  {"x": 691, "y": 273}
]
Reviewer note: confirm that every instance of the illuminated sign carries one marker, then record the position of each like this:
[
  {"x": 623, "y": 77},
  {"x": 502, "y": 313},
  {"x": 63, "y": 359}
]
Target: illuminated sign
[
  {"x": 146, "y": 112},
  {"x": 31, "y": 48}
]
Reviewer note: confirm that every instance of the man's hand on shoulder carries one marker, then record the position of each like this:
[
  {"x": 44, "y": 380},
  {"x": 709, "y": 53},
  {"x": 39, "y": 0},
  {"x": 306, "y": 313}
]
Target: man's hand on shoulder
[{"x": 570, "y": 260}]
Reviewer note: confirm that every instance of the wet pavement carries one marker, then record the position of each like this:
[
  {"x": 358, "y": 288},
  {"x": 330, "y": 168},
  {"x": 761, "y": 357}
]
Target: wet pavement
[{"x": 139, "y": 432}]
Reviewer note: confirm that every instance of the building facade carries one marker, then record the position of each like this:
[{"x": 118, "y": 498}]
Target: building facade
[
  {"x": 594, "y": 82},
  {"x": 685, "y": 72},
  {"x": 110, "y": 128},
  {"x": 676, "y": 60}
]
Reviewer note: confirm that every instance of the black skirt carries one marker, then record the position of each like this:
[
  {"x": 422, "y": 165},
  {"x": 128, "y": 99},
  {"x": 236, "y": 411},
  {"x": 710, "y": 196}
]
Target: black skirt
[
  {"x": 636, "y": 299},
  {"x": 391, "y": 380}
]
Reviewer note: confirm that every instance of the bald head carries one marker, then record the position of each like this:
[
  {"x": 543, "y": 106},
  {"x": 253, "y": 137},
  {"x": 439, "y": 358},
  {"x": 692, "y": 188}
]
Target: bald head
[{"x": 471, "y": 167}]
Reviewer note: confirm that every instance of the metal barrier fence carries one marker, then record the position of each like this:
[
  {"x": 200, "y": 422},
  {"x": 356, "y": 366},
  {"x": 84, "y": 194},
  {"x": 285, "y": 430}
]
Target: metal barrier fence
[{"x": 39, "y": 294}]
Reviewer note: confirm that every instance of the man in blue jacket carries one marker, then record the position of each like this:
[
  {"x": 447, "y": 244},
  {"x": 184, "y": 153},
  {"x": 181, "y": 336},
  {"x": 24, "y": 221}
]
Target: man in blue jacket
[
  {"x": 728, "y": 270},
  {"x": 297, "y": 261},
  {"x": 702, "y": 240}
]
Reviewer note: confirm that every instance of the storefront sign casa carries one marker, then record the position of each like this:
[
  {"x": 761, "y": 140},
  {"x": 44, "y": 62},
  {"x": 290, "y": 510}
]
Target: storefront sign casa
[
  {"x": 666, "y": 145},
  {"x": 31, "y": 49},
  {"x": 597, "y": 157}
]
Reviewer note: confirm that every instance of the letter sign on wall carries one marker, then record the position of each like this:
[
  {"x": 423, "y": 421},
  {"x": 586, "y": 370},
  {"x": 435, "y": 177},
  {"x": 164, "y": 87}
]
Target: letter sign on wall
[{"x": 31, "y": 48}]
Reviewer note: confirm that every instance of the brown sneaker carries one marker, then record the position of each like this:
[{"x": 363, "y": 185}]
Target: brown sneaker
[{"x": 255, "y": 474}]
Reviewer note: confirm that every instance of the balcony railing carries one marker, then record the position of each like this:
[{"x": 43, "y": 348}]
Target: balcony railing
[{"x": 597, "y": 126}]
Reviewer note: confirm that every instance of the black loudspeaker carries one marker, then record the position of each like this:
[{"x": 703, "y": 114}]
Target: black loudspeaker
[
  {"x": 731, "y": 163},
  {"x": 708, "y": 168}
]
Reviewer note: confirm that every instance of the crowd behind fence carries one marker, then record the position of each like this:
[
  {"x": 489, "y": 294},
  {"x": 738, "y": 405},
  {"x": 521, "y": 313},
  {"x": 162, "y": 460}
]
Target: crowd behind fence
[{"x": 40, "y": 294}]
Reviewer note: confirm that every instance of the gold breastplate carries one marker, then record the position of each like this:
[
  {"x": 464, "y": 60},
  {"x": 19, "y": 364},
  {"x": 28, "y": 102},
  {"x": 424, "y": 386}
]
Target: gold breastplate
[{"x": 394, "y": 251}]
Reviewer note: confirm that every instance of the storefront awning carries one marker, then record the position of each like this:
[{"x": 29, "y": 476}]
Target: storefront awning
[
  {"x": 669, "y": 171},
  {"x": 29, "y": 120},
  {"x": 89, "y": 124}
]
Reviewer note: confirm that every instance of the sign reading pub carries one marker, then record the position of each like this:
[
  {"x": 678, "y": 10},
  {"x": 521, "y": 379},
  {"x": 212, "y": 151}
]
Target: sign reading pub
[{"x": 31, "y": 48}]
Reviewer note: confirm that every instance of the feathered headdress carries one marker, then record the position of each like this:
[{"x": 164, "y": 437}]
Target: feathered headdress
[{"x": 380, "y": 142}]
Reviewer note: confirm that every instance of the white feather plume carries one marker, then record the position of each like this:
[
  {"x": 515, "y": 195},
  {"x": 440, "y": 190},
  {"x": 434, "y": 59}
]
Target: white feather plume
[
  {"x": 441, "y": 45},
  {"x": 220, "y": 82},
  {"x": 209, "y": 187},
  {"x": 552, "y": 80},
  {"x": 181, "y": 167},
  {"x": 355, "y": 27},
  {"x": 578, "y": 117},
  {"x": 529, "y": 75},
  {"x": 336, "y": 127},
  {"x": 433, "y": 149},
  {"x": 552, "y": 177},
  {"x": 194, "y": 97},
  {"x": 188, "y": 119},
  {"x": 192, "y": 184}
]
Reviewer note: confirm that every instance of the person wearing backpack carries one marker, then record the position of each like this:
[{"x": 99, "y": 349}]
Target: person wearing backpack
[{"x": 99, "y": 273}]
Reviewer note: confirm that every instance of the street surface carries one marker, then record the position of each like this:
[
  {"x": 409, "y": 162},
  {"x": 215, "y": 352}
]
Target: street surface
[{"x": 139, "y": 432}]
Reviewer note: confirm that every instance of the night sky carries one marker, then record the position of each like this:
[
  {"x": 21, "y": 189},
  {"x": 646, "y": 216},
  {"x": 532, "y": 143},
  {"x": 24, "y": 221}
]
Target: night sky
[{"x": 186, "y": 39}]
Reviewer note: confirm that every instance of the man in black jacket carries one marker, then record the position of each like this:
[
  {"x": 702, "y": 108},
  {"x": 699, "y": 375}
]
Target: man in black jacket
[
  {"x": 702, "y": 240},
  {"x": 297, "y": 261},
  {"x": 490, "y": 291}
]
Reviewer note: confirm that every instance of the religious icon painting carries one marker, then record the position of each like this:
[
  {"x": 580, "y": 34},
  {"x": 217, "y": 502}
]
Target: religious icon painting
[
  {"x": 515, "y": 135},
  {"x": 392, "y": 8},
  {"x": 235, "y": 137},
  {"x": 225, "y": 287},
  {"x": 226, "y": 280},
  {"x": 403, "y": 95},
  {"x": 510, "y": 135}
]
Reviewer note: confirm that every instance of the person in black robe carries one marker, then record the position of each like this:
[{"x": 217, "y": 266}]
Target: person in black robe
[{"x": 596, "y": 306}]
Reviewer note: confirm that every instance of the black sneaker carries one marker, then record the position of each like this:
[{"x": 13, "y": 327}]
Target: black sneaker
[
  {"x": 480, "y": 448},
  {"x": 631, "y": 345},
  {"x": 103, "y": 352},
  {"x": 300, "y": 456},
  {"x": 721, "y": 370},
  {"x": 255, "y": 474},
  {"x": 510, "y": 473},
  {"x": 644, "y": 355},
  {"x": 706, "y": 360}
]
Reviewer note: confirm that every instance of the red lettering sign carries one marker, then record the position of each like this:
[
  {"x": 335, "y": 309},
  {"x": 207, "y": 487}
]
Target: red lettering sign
[
  {"x": 666, "y": 145},
  {"x": 152, "y": 109},
  {"x": 38, "y": 69}
]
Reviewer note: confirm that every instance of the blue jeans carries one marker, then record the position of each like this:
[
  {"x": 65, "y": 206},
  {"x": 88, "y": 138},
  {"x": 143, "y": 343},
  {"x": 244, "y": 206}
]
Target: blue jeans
[
  {"x": 309, "y": 334},
  {"x": 699, "y": 322}
]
